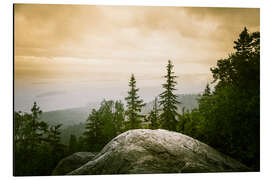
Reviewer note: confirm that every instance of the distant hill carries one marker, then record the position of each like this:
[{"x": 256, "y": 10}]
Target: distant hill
[
  {"x": 73, "y": 120},
  {"x": 68, "y": 117}
]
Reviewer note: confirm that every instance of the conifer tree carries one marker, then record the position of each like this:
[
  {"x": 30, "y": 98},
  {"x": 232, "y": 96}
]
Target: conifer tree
[
  {"x": 207, "y": 91},
  {"x": 54, "y": 136},
  {"x": 93, "y": 134},
  {"x": 35, "y": 142},
  {"x": 134, "y": 105},
  {"x": 35, "y": 134},
  {"x": 73, "y": 144},
  {"x": 154, "y": 116},
  {"x": 168, "y": 101},
  {"x": 103, "y": 125},
  {"x": 119, "y": 117}
]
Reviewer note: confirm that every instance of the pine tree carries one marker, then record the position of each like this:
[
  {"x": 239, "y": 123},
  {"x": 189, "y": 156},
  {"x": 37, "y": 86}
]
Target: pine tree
[
  {"x": 92, "y": 133},
  {"x": 35, "y": 134},
  {"x": 73, "y": 144},
  {"x": 154, "y": 116},
  {"x": 134, "y": 105},
  {"x": 55, "y": 151},
  {"x": 35, "y": 142},
  {"x": 119, "y": 117},
  {"x": 54, "y": 136},
  {"x": 207, "y": 91},
  {"x": 106, "y": 115},
  {"x": 103, "y": 125},
  {"x": 231, "y": 114},
  {"x": 168, "y": 101}
]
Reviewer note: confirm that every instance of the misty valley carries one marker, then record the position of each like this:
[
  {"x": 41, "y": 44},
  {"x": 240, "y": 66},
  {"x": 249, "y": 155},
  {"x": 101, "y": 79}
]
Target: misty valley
[{"x": 73, "y": 120}]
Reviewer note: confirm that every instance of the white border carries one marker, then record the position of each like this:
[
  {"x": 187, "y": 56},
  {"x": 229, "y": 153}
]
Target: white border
[
  {"x": 204, "y": 3},
  {"x": 7, "y": 79}
]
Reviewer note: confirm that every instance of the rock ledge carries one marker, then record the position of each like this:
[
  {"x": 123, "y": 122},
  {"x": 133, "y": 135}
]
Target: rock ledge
[{"x": 145, "y": 151}]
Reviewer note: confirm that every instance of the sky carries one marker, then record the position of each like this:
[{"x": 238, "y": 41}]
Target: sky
[{"x": 69, "y": 55}]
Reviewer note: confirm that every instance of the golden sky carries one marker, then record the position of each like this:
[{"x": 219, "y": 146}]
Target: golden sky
[{"x": 103, "y": 45}]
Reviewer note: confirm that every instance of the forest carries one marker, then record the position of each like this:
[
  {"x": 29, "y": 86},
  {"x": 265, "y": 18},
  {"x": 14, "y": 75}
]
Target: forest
[{"x": 227, "y": 117}]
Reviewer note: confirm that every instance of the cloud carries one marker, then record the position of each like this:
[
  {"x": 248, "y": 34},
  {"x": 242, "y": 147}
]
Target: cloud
[
  {"x": 73, "y": 30},
  {"x": 127, "y": 36},
  {"x": 50, "y": 93}
]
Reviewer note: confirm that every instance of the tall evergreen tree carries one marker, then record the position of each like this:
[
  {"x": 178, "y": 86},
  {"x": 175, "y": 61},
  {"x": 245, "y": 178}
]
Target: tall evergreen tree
[
  {"x": 168, "y": 101},
  {"x": 93, "y": 131},
  {"x": 35, "y": 134},
  {"x": 134, "y": 105}
]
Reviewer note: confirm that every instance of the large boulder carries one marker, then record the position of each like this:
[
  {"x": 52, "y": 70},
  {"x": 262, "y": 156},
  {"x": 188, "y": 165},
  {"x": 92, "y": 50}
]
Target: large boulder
[
  {"x": 72, "y": 162},
  {"x": 157, "y": 151}
]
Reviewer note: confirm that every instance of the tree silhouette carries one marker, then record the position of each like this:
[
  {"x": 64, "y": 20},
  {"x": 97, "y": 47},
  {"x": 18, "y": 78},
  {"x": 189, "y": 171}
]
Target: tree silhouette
[
  {"x": 168, "y": 101},
  {"x": 37, "y": 145},
  {"x": 134, "y": 105},
  {"x": 232, "y": 111}
]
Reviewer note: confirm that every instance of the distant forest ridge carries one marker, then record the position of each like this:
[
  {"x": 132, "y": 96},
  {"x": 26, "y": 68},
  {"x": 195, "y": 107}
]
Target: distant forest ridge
[
  {"x": 73, "y": 120},
  {"x": 73, "y": 116}
]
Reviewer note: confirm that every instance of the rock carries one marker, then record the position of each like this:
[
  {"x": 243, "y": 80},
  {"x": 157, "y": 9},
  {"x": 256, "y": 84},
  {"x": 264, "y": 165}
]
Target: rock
[
  {"x": 72, "y": 162},
  {"x": 144, "y": 151}
]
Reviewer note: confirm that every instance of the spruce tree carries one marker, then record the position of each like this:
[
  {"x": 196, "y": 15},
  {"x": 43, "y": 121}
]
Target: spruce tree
[
  {"x": 35, "y": 142},
  {"x": 119, "y": 117},
  {"x": 154, "y": 116},
  {"x": 54, "y": 137},
  {"x": 73, "y": 144},
  {"x": 168, "y": 101},
  {"x": 134, "y": 105},
  {"x": 207, "y": 90},
  {"x": 33, "y": 126},
  {"x": 93, "y": 131}
]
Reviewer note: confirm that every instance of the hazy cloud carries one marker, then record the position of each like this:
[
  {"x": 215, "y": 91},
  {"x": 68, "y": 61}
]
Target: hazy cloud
[
  {"x": 121, "y": 32},
  {"x": 50, "y": 93}
]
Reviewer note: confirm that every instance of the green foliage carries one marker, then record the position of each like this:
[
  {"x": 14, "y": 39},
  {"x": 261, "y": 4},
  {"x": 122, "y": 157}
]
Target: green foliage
[
  {"x": 103, "y": 124},
  {"x": 73, "y": 144},
  {"x": 35, "y": 142},
  {"x": 93, "y": 131},
  {"x": 119, "y": 117},
  {"x": 153, "y": 117},
  {"x": 75, "y": 129},
  {"x": 228, "y": 118},
  {"x": 207, "y": 91},
  {"x": 134, "y": 106},
  {"x": 190, "y": 123},
  {"x": 168, "y": 101},
  {"x": 241, "y": 69},
  {"x": 232, "y": 110}
]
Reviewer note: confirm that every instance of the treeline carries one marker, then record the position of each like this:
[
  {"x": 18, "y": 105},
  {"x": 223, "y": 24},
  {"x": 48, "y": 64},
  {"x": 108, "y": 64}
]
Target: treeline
[
  {"x": 37, "y": 147},
  {"x": 228, "y": 116}
]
